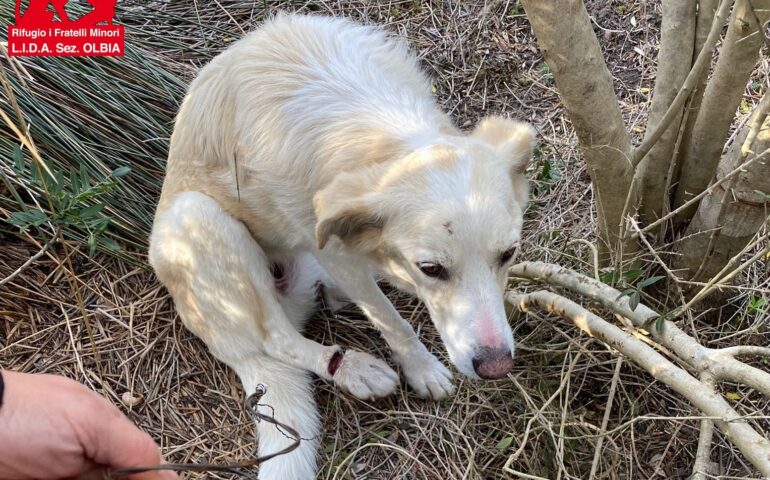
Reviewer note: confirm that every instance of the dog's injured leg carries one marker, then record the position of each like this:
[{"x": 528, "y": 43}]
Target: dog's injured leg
[
  {"x": 422, "y": 370},
  {"x": 225, "y": 293}
]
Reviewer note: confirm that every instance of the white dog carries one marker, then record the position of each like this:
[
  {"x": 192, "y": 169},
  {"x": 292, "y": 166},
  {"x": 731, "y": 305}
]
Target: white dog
[{"x": 311, "y": 151}]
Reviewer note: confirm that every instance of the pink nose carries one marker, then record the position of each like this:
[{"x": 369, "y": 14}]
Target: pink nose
[{"x": 491, "y": 363}]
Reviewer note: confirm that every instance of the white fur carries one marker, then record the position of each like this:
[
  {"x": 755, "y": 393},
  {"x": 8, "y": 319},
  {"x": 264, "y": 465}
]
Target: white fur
[{"x": 315, "y": 143}]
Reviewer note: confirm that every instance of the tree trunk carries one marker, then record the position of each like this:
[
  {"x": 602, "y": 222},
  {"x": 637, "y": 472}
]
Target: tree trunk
[
  {"x": 675, "y": 57},
  {"x": 570, "y": 47},
  {"x": 704, "y": 20},
  {"x": 723, "y": 94},
  {"x": 746, "y": 209}
]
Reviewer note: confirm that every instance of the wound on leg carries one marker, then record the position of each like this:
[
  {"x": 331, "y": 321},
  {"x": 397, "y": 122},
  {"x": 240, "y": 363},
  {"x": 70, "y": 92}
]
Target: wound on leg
[{"x": 334, "y": 362}]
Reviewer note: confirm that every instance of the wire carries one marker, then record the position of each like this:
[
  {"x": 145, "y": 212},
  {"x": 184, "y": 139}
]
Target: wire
[{"x": 252, "y": 405}]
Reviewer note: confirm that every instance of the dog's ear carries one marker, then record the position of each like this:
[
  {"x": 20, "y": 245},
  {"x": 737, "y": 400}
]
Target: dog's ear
[
  {"x": 512, "y": 139},
  {"x": 349, "y": 211}
]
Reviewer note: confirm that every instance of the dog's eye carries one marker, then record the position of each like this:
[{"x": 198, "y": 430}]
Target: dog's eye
[
  {"x": 433, "y": 270},
  {"x": 507, "y": 255}
]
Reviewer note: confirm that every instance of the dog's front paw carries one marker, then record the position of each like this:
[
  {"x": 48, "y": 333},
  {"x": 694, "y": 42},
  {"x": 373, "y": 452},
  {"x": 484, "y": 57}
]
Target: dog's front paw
[
  {"x": 365, "y": 376},
  {"x": 427, "y": 375}
]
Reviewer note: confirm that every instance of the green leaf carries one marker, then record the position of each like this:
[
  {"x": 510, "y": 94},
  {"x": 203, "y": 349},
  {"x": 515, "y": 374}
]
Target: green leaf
[
  {"x": 59, "y": 185},
  {"x": 84, "y": 181},
  {"x": 756, "y": 303},
  {"x": 632, "y": 275},
  {"x": 633, "y": 300},
  {"x": 121, "y": 172},
  {"x": 650, "y": 281},
  {"x": 74, "y": 183},
  {"x": 18, "y": 159},
  {"x": 504, "y": 443},
  {"x": 91, "y": 245},
  {"x": 111, "y": 244},
  {"x": 607, "y": 277},
  {"x": 100, "y": 225},
  {"x": 28, "y": 219},
  {"x": 744, "y": 106},
  {"x": 91, "y": 211}
]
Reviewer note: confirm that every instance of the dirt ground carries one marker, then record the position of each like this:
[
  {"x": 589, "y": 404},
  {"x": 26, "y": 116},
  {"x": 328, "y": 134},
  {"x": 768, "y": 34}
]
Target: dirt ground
[{"x": 109, "y": 324}]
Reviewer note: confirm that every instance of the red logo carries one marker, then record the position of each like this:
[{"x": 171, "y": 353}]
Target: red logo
[{"x": 45, "y": 28}]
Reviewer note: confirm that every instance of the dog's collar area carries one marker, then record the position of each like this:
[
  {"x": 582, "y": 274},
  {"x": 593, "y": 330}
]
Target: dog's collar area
[{"x": 335, "y": 362}]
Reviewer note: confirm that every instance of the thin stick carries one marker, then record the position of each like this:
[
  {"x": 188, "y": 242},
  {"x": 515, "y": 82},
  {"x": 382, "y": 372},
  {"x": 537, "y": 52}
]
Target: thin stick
[
  {"x": 594, "y": 252},
  {"x": 687, "y": 204},
  {"x": 757, "y": 120},
  {"x": 672, "y": 167},
  {"x": 705, "y": 438},
  {"x": 722, "y": 277},
  {"x": 31, "y": 259},
  {"x": 606, "y": 419}
]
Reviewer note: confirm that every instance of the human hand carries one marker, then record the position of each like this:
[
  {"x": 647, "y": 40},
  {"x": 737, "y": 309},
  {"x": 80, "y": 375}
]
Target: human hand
[{"x": 54, "y": 428}]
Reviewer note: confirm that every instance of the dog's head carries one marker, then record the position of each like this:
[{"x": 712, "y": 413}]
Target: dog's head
[{"x": 444, "y": 223}]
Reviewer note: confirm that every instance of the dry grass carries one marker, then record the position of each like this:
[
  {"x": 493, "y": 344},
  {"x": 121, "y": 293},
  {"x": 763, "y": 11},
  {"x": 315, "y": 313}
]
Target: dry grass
[{"x": 547, "y": 416}]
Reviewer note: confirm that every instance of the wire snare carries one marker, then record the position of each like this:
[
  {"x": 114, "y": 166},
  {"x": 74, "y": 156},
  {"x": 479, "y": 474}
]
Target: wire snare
[{"x": 251, "y": 403}]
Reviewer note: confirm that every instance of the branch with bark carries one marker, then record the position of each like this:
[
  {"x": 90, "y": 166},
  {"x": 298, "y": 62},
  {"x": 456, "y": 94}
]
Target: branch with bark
[
  {"x": 723, "y": 94},
  {"x": 668, "y": 175},
  {"x": 569, "y": 45},
  {"x": 731, "y": 215},
  {"x": 674, "y": 60},
  {"x": 689, "y": 371}
]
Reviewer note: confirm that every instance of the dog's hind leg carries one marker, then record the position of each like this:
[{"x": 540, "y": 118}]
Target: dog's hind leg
[
  {"x": 226, "y": 294},
  {"x": 290, "y": 400}
]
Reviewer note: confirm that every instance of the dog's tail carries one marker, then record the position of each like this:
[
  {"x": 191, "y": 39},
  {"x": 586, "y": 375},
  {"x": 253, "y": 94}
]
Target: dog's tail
[{"x": 290, "y": 400}]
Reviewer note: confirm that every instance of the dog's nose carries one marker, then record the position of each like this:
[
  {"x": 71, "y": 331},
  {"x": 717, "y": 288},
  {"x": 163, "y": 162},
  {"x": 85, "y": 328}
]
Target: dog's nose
[{"x": 491, "y": 363}]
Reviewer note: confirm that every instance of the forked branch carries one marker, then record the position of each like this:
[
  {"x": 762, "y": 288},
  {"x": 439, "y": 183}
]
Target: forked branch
[{"x": 700, "y": 361}]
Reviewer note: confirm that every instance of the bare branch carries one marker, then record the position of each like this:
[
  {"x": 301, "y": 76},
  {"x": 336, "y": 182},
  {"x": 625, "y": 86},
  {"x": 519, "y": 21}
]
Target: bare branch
[
  {"x": 670, "y": 336},
  {"x": 31, "y": 259},
  {"x": 753, "y": 446},
  {"x": 674, "y": 60},
  {"x": 739, "y": 169},
  {"x": 735, "y": 371},
  {"x": 746, "y": 350},
  {"x": 724, "y": 91},
  {"x": 698, "y": 358},
  {"x": 757, "y": 119},
  {"x": 705, "y": 437},
  {"x": 703, "y": 60}
]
